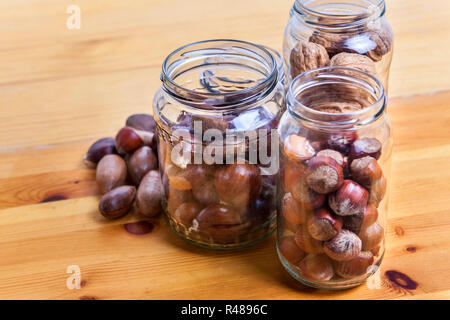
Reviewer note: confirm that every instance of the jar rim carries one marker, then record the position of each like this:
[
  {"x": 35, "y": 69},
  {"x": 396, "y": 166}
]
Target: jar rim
[
  {"x": 375, "y": 8},
  {"x": 232, "y": 98},
  {"x": 356, "y": 118},
  {"x": 278, "y": 60}
]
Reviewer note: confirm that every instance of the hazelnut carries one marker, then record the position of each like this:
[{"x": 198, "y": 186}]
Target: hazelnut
[
  {"x": 226, "y": 234},
  {"x": 186, "y": 213},
  {"x": 355, "y": 267},
  {"x": 316, "y": 267},
  {"x": 220, "y": 223},
  {"x": 177, "y": 178},
  {"x": 365, "y": 147},
  {"x": 218, "y": 215},
  {"x": 221, "y": 123},
  {"x": 206, "y": 193},
  {"x": 298, "y": 148},
  {"x": 335, "y": 106},
  {"x": 294, "y": 182},
  {"x": 324, "y": 225},
  {"x": 340, "y": 141},
  {"x": 356, "y": 222},
  {"x": 292, "y": 211},
  {"x": 98, "y": 150},
  {"x": 371, "y": 236},
  {"x": 129, "y": 139},
  {"x": 141, "y": 121},
  {"x": 324, "y": 174},
  {"x": 350, "y": 199},
  {"x": 343, "y": 247},
  {"x": 365, "y": 171},
  {"x": 307, "y": 56},
  {"x": 291, "y": 172},
  {"x": 377, "y": 191},
  {"x": 238, "y": 184},
  {"x": 117, "y": 202},
  {"x": 263, "y": 208},
  {"x": 355, "y": 61},
  {"x": 306, "y": 242},
  {"x": 111, "y": 172},
  {"x": 289, "y": 250},
  {"x": 176, "y": 197},
  {"x": 336, "y": 155},
  {"x": 308, "y": 198},
  {"x": 149, "y": 194},
  {"x": 140, "y": 162},
  {"x": 198, "y": 174}
]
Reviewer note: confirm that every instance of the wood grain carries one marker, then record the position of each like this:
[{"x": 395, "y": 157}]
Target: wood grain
[{"x": 60, "y": 90}]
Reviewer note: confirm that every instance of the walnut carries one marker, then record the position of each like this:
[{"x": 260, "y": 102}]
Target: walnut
[
  {"x": 383, "y": 39},
  {"x": 334, "y": 43},
  {"x": 354, "y": 60},
  {"x": 336, "y": 106},
  {"x": 306, "y": 56}
]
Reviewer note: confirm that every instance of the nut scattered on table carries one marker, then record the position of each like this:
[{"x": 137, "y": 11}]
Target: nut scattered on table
[
  {"x": 111, "y": 172},
  {"x": 127, "y": 169},
  {"x": 149, "y": 194},
  {"x": 140, "y": 162},
  {"x": 117, "y": 202},
  {"x": 98, "y": 150}
]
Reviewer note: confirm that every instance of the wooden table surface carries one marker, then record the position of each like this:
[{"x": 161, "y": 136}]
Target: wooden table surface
[{"x": 62, "y": 89}]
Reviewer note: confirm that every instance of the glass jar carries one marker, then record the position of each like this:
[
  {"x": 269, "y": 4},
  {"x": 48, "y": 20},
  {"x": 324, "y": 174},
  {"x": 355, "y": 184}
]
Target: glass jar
[
  {"x": 280, "y": 65},
  {"x": 335, "y": 153},
  {"x": 219, "y": 102},
  {"x": 343, "y": 33}
]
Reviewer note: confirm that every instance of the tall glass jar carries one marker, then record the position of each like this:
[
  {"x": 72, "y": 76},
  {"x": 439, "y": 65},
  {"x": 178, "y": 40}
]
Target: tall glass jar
[
  {"x": 335, "y": 153},
  {"x": 338, "y": 33},
  {"x": 215, "y": 110}
]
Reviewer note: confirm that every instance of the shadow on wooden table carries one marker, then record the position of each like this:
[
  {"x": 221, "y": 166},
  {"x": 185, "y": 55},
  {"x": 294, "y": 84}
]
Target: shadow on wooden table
[{"x": 257, "y": 263}]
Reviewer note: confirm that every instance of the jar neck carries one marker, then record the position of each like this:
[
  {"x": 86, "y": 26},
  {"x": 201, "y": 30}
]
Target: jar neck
[
  {"x": 336, "y": 86},
  {"x": 338, "y": 15},
  {"x": 219, "y": 75}
]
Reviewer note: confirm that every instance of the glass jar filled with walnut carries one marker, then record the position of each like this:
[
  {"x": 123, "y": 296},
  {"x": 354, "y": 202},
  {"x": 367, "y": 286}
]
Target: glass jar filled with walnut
[
  {"x": 335, "y": 152},
  {"x": 216, "y": 112},
  {"x": 342, "y": 33}
]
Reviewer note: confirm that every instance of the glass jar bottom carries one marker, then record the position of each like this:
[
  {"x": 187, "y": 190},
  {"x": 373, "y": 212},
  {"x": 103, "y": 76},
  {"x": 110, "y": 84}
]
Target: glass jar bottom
[
  {"x": 332, "y": 284},
  {"x": 253, "y": 237}
]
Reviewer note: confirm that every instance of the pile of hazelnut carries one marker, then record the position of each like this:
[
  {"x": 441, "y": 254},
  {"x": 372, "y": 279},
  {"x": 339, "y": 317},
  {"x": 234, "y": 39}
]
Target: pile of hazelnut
[
  {"x": 341, "y": 49},
  {"x": 127, "y": 169},
  {"x": 330, "y": 191},
  {"x": 216, "y": 204},
  {"x": 225, "y": 205}
]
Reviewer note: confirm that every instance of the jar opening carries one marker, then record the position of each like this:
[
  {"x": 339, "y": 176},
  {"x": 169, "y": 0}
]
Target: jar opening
[
  {"x": 339, "y": 14},
  {"x": 216, "y": 74},
  {"x": 336, "y": 97}
]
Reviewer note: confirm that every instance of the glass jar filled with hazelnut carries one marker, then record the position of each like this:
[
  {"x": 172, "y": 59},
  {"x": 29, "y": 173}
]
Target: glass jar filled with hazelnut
[
  {"x": 335, "y": 152},
  {"x": 338, "y": 33},
  {"x": 218, "y": 107}
]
